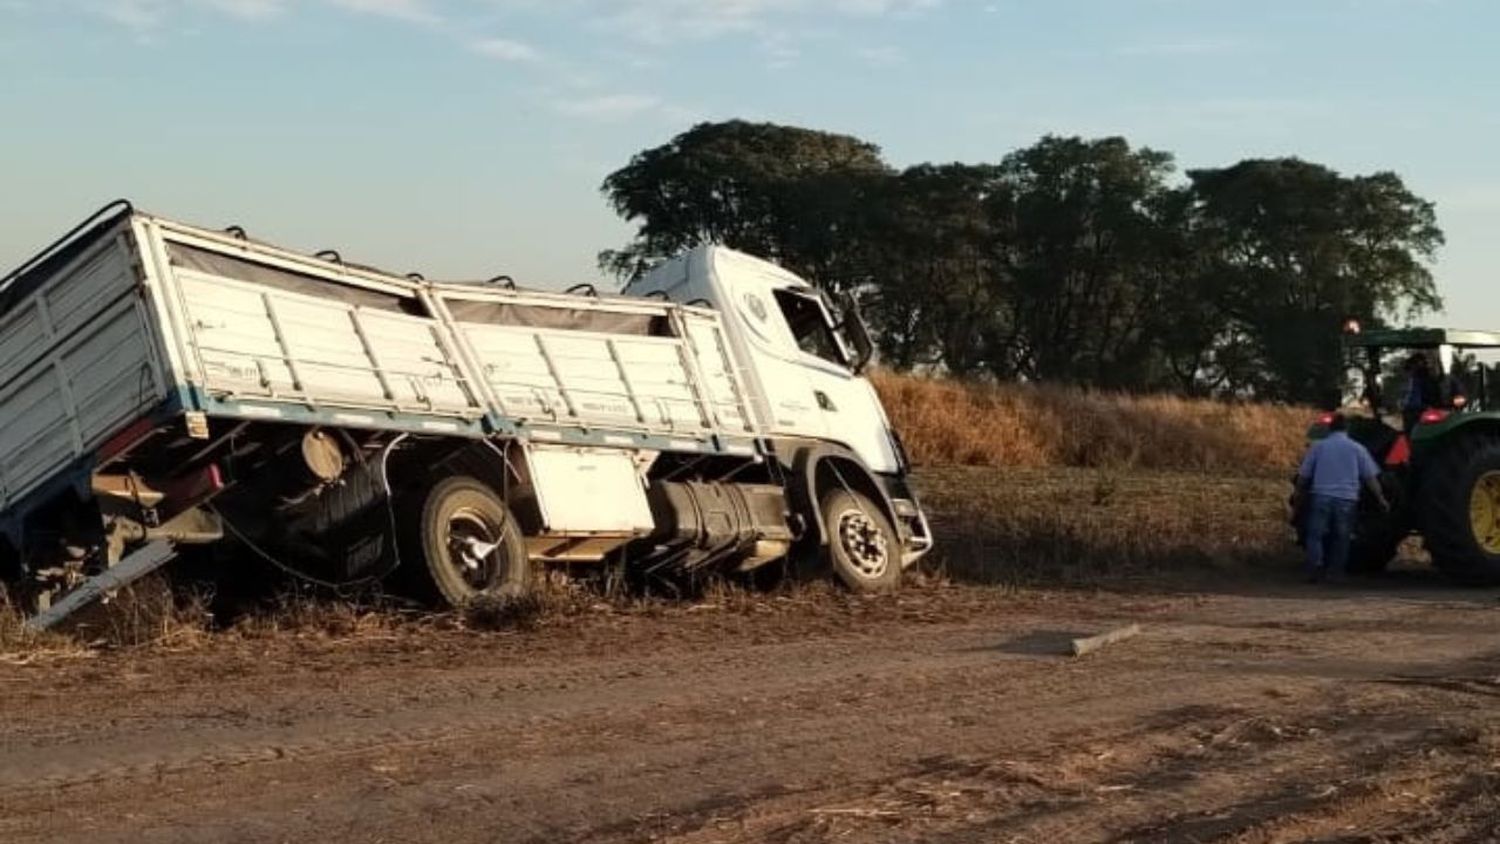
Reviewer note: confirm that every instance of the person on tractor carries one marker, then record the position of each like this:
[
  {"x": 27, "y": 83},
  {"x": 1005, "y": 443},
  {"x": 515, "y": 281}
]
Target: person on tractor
[
  {"x": 1455, "y": 389},
  {"x": 1331, "y": 476},
  {"x": 1423, "y": 391}
]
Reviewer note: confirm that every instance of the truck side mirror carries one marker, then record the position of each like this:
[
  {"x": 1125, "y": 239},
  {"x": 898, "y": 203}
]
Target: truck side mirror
[{"x": 857, "y": 332}]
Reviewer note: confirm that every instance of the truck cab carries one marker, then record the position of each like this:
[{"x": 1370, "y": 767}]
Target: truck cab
[
  {"x": 803, "y": 355},
  {"x": 803, "y": 370}
]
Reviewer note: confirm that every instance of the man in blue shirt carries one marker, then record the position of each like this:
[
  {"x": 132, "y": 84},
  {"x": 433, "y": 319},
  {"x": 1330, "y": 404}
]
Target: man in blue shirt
[{"x": 1331, "y": 476}]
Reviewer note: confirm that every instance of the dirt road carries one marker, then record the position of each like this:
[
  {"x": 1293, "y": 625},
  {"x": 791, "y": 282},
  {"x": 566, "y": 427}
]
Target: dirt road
[{"x": 947, "y": 715}]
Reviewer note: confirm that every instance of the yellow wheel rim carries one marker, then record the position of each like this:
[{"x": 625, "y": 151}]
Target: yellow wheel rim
[{"x": 1484, "y": 512}]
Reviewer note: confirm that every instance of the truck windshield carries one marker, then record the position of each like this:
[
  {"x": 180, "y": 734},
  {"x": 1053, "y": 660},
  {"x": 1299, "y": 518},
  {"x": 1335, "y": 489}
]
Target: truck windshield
[{"x": 810, "y": 327}]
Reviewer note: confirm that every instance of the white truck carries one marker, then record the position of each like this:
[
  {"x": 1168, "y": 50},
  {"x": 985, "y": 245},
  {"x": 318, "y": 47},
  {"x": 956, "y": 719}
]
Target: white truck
[{"x": 164, "y": 386}]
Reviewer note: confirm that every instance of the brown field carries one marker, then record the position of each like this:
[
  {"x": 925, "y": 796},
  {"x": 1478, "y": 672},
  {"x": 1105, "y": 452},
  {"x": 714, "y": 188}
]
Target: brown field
[
  {"x": 948, "y": 423},
  {"x": 1069, "y": 527},
  {"x": 1250, "y": 708},
  {"x": 1053, "y": 527}
]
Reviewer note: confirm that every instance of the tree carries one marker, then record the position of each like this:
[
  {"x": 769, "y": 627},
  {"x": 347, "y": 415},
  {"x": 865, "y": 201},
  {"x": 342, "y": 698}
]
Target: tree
[
  {"x": 935, "y": 260},
  {"x": 1299, "y": 249},
  {"x": 1202, "y": 348},
  {"x": 780, "y": 192},
  {"x": 1089, "y": 262},
  {"x": 1072, "y": 260}
]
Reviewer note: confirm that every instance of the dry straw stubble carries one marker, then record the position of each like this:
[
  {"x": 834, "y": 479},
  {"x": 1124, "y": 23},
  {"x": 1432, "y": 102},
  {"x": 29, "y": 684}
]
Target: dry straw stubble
[{"x": 952, "y": 423}]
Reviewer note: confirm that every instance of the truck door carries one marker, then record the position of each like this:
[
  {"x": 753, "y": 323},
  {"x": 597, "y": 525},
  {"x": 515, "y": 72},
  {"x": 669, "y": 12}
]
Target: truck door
[
  {"x": 789, "y": 396},
  {"x": 851, "y": 411}
]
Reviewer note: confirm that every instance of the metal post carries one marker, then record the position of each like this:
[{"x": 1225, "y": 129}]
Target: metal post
[
  {"x": 562, "y": 389},
  {"x": 286, "y": 349},
  {"x": 135, "y": 566},
  {"x": 630, "y": 392},
  {"x": 364, "y": 339}
]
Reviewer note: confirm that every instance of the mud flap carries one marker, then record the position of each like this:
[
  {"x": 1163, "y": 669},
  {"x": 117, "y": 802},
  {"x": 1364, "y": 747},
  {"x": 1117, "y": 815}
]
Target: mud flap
[
  {"x": 343, "y": 537},
  {"x": 351, "y": 527}
]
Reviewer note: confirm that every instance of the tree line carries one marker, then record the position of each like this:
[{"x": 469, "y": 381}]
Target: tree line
[{"x": 1078, "y": 261}]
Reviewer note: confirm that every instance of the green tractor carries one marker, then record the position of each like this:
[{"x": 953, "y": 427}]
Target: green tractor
[{"x": 1441, "y": 463}]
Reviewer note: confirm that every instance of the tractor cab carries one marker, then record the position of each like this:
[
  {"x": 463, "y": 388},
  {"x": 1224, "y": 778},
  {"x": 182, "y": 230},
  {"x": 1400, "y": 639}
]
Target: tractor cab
[
  {"x": 1462, "y": 380},
  {"x": 1413, "y": 382}
]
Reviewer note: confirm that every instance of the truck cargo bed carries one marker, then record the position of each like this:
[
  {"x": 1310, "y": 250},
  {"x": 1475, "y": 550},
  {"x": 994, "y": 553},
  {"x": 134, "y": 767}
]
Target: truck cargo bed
[{"x": 137, "y": 318}]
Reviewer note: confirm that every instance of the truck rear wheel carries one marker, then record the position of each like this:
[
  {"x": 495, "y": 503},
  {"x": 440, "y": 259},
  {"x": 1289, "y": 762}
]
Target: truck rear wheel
[
  {"x": 1461, "y": 526},
  {"x": 863, "y": 547},
  {"x": 468, "y": 544}
]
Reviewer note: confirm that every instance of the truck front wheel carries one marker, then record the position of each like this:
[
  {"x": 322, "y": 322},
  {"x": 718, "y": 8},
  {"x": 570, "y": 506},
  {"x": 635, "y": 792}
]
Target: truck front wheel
[
  {"x": 467, "y": 544},
  {"x": 863, "y": 547}
]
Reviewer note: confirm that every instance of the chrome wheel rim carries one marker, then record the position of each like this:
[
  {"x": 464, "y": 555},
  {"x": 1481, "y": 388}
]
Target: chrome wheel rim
[
  {"x": 473, "y": 544},
  {"x": 864, "y": 543}
]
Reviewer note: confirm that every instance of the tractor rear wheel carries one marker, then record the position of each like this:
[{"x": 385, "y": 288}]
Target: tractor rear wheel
[{"x": 1461, "y": 523}]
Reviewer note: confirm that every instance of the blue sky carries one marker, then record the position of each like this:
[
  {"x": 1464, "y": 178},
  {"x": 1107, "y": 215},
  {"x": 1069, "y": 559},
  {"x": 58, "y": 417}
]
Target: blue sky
[{"x": 468, "y": 137}]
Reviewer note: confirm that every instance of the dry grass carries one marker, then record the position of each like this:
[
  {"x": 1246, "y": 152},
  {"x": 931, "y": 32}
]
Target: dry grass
[
  {"x": 310, "y": 614},
  {"x": 13, "y": 633},
  {"x": 1093, "y": 527},
  {"x": 1092, "y": 487},
  {"x": 947, "y": 423},
  {"x": 1016, "y": 527},
  {"x": 519, "y": 612},
  {"x": 1033, "y": 484},
  {"x": 21, "y": 646},
  {"x": 145, "y": 613}
]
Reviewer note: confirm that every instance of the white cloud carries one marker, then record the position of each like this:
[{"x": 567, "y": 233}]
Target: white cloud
[
  {"x": 881, "y": 56},
  {"x": 416, "y": 11},
  {"x": 660, "y": 21},
  {"x": 609, "y": 107},
  {"x": 147, "y": 16},
  {"x": 647, "y": 21},
  {"x": 1184, "y": 47},
  {"x": 884, "y": 7},
  {"x": 144, "y": 16},
  {"x": 139, "y": 15},
  {"x": 780, "y": 49},
  {"x": 506, "y": 50},
  {"x": 249, "y": 9},
  {"x": 781, "y": 29},
  {"x": 622, "y": 107}
]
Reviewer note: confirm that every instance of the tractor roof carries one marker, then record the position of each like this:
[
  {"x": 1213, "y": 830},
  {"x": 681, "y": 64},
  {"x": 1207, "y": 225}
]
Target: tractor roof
[{"x": 1422, "y": 338}]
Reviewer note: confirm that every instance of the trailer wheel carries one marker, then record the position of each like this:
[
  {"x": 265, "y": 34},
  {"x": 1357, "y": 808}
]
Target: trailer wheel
[
  {"x": 469, "y": 543},
  {"x": 863, "y": 547}
]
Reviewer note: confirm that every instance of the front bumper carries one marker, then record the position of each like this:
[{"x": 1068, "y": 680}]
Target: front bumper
[{"x": 911, "y": 520}]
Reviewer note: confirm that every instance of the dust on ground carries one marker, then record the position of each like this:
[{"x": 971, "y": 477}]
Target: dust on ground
[{"x": 1250, "y": 709}]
